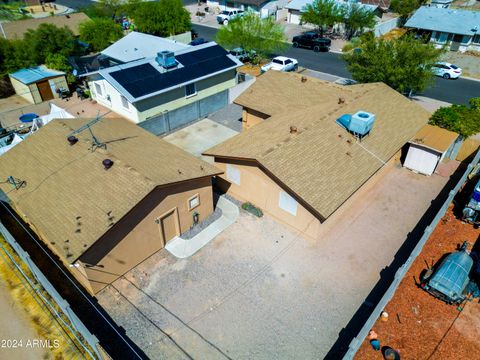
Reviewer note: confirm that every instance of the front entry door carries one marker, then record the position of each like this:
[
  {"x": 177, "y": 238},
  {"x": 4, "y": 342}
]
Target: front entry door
[
  {"x": 169, "y": 225},
  {"x": 45, "y": 90}
]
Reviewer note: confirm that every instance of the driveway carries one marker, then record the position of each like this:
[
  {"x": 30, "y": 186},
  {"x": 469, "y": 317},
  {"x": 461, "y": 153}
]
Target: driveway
[{"x": 261, "y": 291}]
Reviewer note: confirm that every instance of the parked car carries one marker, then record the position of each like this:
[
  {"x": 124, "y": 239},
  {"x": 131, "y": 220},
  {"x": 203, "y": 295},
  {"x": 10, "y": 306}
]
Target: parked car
[
  {"x": 241, "y": 54},
  {"x": 197, "y": 41},
  {"x": 312, "y": 40},
  {"x": 446, "y": 70},
  {"x": 281, "y": 63},
  {"x": 450, "y": 279},
  {"x": 226, "y": 15}
]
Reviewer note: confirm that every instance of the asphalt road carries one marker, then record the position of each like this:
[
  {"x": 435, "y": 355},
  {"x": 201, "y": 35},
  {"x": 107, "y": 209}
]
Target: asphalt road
[{"x": 452, "y": 91}]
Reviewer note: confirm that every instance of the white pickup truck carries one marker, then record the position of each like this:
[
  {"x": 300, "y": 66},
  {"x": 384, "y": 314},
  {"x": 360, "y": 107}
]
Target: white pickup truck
[
  {"x": 226, "y": 15},
  {"x": 281, "y": 63}
]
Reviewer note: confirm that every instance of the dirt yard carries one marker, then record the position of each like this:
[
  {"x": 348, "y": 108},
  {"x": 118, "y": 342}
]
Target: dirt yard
[
  {"x": 470, "y": 64},
  {"x": 421, "y": 326}
]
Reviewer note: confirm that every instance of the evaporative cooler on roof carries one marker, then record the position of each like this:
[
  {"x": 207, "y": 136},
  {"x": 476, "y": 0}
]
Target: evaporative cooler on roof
[{"x": 359, "y": 124}]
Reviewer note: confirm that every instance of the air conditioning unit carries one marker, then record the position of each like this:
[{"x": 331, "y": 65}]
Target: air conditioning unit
[{"x": 166, "y": 59}]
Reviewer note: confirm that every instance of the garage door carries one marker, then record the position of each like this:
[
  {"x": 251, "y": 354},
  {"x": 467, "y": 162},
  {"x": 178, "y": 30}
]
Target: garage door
[
  {"x": 294, "y": 18},
  {"x": 421, "y": 160}
]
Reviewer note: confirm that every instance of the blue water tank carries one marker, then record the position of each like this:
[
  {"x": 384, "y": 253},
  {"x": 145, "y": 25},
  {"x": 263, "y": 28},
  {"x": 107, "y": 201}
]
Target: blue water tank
[{"x": 361, "y": 123}]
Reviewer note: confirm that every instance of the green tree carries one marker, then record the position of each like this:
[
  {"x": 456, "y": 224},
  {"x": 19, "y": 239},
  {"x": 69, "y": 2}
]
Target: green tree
[
  {"x": 164, "y": 18},
  {"x": 100, "y": 33},
  {"x": 49, "y": 39},
  {"x": 356, "y": 18},
  {"x": 461, "y": 119},
  {"x": 60, "y": 62},
  {"x": 405, "y": 7},
  {"x": 404, "y": 64},
  {"x": 14, "y": 56},
  {"x": 253, "y": 34},
  {"x": 322, "y": 13}
]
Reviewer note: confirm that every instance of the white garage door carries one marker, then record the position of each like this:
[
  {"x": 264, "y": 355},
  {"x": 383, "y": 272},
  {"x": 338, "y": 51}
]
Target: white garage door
[
  {"x": 294, "y": 18},
  {"x": 421, "y": 160}
]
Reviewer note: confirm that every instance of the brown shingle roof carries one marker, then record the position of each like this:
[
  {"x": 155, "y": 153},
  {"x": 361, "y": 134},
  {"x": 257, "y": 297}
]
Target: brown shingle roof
[
  {"x": 323, "y": 164},
  {"x": 275, "y": 92},
  {"x": 435, "y": 138},
  {"x": 17, "y": 29},
  {"x": 70, "y": 198}
]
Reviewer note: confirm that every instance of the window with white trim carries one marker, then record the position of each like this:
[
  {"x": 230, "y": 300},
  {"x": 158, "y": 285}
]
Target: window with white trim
[
  {"x": 476, "y": 39},
  {"x": 193, "y": 202},
  {"x": 190, "y": 90},
  {"x": 233, "y": 174},
  {"x": 98, "y": 89},
  {"x": 287, "y": 203},
  {"x": 124, "y": 101},
  {"x": 442, "y": 38}
]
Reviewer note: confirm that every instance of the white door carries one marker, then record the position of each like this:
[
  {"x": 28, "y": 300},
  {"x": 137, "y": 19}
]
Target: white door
[
  {"x": 421, "y": 160},
  {"x": 294, "y": 18}
]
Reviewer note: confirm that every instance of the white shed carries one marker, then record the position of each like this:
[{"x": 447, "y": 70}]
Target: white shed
[{"x": 428, "y": 149}]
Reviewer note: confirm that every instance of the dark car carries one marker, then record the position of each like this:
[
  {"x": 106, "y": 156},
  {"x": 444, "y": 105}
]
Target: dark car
[
  {"x": 198, "y": 41},
  {"x": 312, "y": 40}
]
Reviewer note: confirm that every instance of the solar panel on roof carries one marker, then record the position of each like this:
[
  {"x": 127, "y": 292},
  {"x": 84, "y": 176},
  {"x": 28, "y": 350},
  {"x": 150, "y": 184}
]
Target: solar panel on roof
[{"x": 146, "y": 79}]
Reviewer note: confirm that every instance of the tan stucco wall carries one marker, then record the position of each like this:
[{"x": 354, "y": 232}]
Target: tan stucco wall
[
  {"x": 137, "y": 237},
  {"x": 259, "y": 189},
  {"x": 22, "y": 90},
  {"x": 60, "y": 82},
  {"x": 251, "y": 118}
]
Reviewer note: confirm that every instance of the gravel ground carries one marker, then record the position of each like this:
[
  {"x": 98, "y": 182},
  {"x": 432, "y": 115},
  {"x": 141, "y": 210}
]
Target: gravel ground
[{"x": 202, "y": 225}]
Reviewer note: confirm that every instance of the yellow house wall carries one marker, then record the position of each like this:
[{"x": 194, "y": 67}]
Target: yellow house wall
[
  {"x": 143, "y": 240},
  {"x": 251, "y": 118},
  {"x": 22, "y": 90},
  {"x": 176, "y": 98},
  {"x": 259, "y": 189}
]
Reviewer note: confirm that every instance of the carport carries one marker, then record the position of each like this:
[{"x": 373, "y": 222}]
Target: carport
[{"x": 428, "y": 149}]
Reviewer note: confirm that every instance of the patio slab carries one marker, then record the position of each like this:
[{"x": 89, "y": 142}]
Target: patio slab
[{"x": 200, "y": 136}]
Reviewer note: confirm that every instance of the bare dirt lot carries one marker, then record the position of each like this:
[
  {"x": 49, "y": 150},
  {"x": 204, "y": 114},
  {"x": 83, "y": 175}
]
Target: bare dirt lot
[
  {"x": 261, "y": 291},
  {"x": 421, "y": 326}
]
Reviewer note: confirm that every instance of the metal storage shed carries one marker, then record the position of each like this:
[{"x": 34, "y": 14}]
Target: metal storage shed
[
  {"x": 428, "y": 148},
  {"x": 38, "y": 84}
]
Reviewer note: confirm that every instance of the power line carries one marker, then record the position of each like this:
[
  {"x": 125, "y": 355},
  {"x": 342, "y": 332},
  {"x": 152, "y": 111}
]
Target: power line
[{"x": 72, "y": 282}]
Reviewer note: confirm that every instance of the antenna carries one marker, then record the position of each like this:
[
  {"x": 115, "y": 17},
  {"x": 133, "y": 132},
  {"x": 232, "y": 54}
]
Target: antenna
[
  {"x": 17, "y": 183},
  {"x": 95, "y": 142}
]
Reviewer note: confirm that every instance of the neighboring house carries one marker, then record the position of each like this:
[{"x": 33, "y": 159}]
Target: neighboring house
[
  {"x": 164, "y": 92},
  {"x": 296, "y": 7},
  {"x": 297, "y": 163},
  {"x": 38, "y": 84},
  {"x": 137, "y": 45},
  {"x": 103, "y": 211},
  {"x": 428, "y": 148},
  {"x": 441, "y": 3},
  {"x": 17, "y": 29},
  {"x": 459, "y": 30},
  {"x": 384, "y": 5},
  {"x": 254, "y": 5}
]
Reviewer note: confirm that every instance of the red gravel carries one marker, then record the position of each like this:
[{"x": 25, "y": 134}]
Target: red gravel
[{"x": 421, "y": 326}]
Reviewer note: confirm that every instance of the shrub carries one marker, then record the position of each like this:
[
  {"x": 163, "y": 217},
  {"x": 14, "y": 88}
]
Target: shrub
[{"x": 252, "y": 209}]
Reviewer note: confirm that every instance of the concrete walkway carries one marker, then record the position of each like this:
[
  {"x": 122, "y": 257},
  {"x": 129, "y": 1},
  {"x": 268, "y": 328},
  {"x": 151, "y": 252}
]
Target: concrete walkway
[{"x": 183, "y": 248}]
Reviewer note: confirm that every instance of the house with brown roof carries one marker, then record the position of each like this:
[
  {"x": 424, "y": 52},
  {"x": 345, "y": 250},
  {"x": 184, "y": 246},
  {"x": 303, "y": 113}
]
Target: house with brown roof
[
  {"x": 296, "y": 161},
  {"x": 17, "y": 29},
  {"x": 104, "y": 209}
]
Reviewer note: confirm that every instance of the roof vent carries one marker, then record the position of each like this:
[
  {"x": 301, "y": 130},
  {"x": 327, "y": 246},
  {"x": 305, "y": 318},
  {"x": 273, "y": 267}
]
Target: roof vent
[
  {"x": 341, "y": 100},
  {"x": 72, "y": 140},
  {"x": 293, "y": 129},
  {"x": 107, "y": 164},
  {"x": 360, "y": 123},
  {"x": 303, "y": 79},
  {"x": 166, "y": 59}
]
